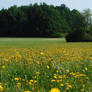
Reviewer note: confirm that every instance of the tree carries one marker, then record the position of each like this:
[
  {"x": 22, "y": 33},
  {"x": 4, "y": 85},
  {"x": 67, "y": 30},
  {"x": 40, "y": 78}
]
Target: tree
[
  {"x": 88, "y": 17},
  {"x": 77, "y": 26}
]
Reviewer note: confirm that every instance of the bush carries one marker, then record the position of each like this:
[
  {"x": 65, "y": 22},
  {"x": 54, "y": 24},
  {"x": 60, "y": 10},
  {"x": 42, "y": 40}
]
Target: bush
[
  {"x": 79, "y": 36},
  {"x": 75, "y": 36},
  {"x": 87, "y": 37}
]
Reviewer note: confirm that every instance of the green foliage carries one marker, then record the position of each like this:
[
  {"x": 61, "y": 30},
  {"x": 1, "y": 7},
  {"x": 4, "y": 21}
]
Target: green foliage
[
  {"x": 81, "y": 30},
  {"x": 46, "y": 21},
  {"x": 35, "y": 21}
]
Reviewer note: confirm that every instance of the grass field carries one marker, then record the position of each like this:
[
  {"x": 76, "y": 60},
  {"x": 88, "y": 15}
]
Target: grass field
[
  {"x": 45, "y": 65},
  {"x": 39, "y": 43}
]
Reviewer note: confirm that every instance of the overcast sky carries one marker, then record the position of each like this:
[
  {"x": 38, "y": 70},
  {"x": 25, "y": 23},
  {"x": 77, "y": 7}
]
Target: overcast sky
[{"x": 72, "y": 4}]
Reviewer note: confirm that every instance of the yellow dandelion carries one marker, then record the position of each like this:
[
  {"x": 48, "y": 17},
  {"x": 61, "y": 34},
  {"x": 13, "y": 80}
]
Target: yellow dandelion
[
  {"x": 37, "y": 73},
  {"x": 41, "y": 53},
  {"x": 82, "y": 75},
  {"x": 27, "y": 91},
  {"x": 47, "y": 67},
  {"x": 61, "y": 85},
  {"x": 70, "y": 86},
  {"x": 53, "y": 80},
  {"x": 54, "y": 90},
  {"x": 60, "y": 77},
  {"x": 3, "y": 66},
  {"x": 1, "y": 88},
  {"x": 55, "y": 76},
  {"x": 67, "y": 71},
  {"x": 16, "y": 79},
  {"x": 18, "y": 84},
  {"x": 86, "y": 68},
  {"x": 67, "y": 88}
]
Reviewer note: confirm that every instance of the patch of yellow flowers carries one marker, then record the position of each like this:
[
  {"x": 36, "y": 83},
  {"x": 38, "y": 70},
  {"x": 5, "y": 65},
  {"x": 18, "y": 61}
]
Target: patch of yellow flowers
[
  {"x": 54, "y": 90},
  {"x": 1, "y": 87},
  {"x": 64, "y": 68}
]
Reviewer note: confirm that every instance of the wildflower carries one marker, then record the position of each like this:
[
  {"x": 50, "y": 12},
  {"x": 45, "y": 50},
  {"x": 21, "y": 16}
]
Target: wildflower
[
  {"x": 47, "y": 67},
  {"x": 67, "y": 71},
  {"x": 60, "y": 77},
  {"x": 30, "y": 82},
  {"x": 55, "y": 76},
  {"x": 1, "y": 88},
  {"x": 35, "y": 81},
  {"x": 82, "y": 75},
  {"x": 54, "y": 90},
  {"x": 86, "y": 68},
  {"x": 18, "y": 84},
  {"x": 70, "y": 86},
  {"x": 37, "y": 73},
  {"x": 29, "y": 59},
  {"x": 67, "y": 88},
  {"x": 61, "y": 85},
  {"x": 52, "y": 80},
  {"x": 16, "y": 79},
  {"x": 90, "y": 58},
  {"x": 66, "y": 83},
  {"x": 27, "y": 91},
  {"x": 3, "y": 66},
  {"x": 41, "y": 53},
  {"x": 82, "y": 90}
]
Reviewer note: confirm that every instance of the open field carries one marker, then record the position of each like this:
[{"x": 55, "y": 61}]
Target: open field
[
  {"x": 29, "y": 42},
  {"x": 41, "y": 64},
  {"x": 39, "y": 43}
]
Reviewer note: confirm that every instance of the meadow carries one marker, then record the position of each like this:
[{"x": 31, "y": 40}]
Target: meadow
[{"x": 45, "y": 65}]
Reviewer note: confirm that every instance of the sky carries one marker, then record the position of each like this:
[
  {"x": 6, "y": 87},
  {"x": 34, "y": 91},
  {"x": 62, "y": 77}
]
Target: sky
[{"x": 72, "y": 4}]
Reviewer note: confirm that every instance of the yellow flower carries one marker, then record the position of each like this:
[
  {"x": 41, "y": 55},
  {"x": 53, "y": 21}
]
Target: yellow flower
[
  {"x": 53, "y": 80},
  {"x": 18, "y": 84},
  {"x": 47, "y": 67},
  {"x": 1, "y": 88},
  {"x": 82, "y": 75},
  {"x": 86, "y": 68},
  {"x": 54, "y": 90},
  {"x": 30, "y": 59},
  {"x": 66, "y": 83},
  {"x": 16, "y": 79},
  {"x": 55, "y": 76},
  {"x": 60, "y": 77},
  {"x": 41, "y": 53},
  {"x": 35, "y": 81},
  {"x": 27, "y": 91},
  {"x": 70, "y": 86},
  {"x": 37, "y": 73},
  {"x": 61, "y": 85},
  {"x": 82, "y": 90},
  {"x": 31, "y": 81},
  {"x": 90, "y": 58},
  {"x": 67, "y": 71},
  {"x": 3, "y": 66},
  {"x": 67, "y": 88}
]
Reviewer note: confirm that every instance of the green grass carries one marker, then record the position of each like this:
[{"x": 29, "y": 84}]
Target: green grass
[
  {"x": 39, "y": 43},
  {"x": 29, "y": 42}
]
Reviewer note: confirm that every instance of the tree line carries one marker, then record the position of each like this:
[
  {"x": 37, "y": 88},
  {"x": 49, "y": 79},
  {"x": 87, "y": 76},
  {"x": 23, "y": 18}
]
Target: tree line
[{"x": 46, "y": 21}]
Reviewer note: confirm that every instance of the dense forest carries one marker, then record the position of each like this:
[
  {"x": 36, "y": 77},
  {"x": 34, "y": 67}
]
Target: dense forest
[{"x": 46, "y": 21}]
